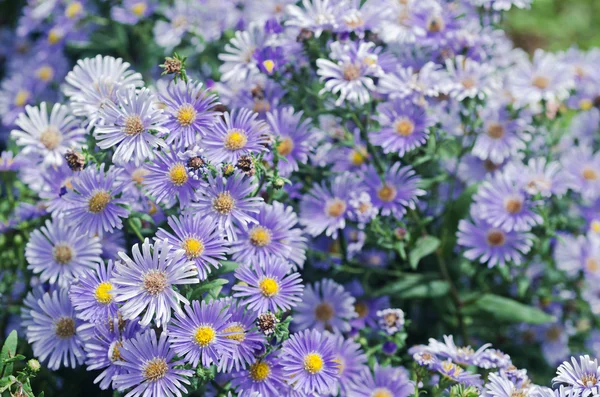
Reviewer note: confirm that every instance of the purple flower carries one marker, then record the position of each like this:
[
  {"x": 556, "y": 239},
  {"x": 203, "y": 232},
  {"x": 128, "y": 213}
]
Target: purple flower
[
  {"x": 386, "y": 381},
  {"x": 132, "y": 11},
  {"x": 92, "y": 294},
  {"x": 452, "y": 371},
  {"x": 308, "y": 362},
  {"x": 316, "y": 15},
  {"x": 264, "y": 377},
  {"x": 351, "y": 361},
  {"x": 469, "y": 79},
  {"x": 270, "y": 59},
  {"x": 580, "y": 378},
  {"x": 145, "y": 282},
  {"x": 391, "y": 320},
  {"x": 148, "y": 367},
  {"x": 583, "y": 167},
  {"x": 540, "y": 177},
  {"x": 270, "y": 288}
]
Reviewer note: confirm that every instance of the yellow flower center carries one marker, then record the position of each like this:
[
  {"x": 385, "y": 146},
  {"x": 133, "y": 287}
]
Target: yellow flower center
[
  {"x": 324, "y": 312},
  {"x": 595, "y": 226},
  {"x": 133, "y": 125},
  {"x": 269, "y": 65},
  {"x": 260, "y": 236},
  {"x": 495, "y": 238},
  {"x": 361, "y": 309},
  {"x": 358, "y": 156},
  {"x": 74, "y": 9},
  {"x": 64, "y": 327},
  {"x": 54, "y": 36},
  {"x": 51, "y": 138},
  {"x": 541, "y": 82},
  {"x": 205, "y": 335},
  {"x": 589, "y": 174},
  {"x": 138, "y": 175},
  {"x": 586, "y": 104},
  {"x": 115, "y": 351},
  {"x": 513, "y": 205},
  {"x": 436, "y": 24},
  {"x": 589, "y": 380},
  {"x": 178, "y": 174},
  {"x": 335, "y": 207},
  {"x": 259, "y": 371},
  {"x": 269, "y": 287},
  {"x": 224, "y": 203},
  {"x": 313, "y": 363},
  {"x": 236, "y": 139},
  {"x": 193, "y": 247},
  {"x": 139, "y": 8},
  {"x": 404, "y": 127},
  {"x": 62, "y": 253},
  {"x": 22, "y": 97},
  {"x": 386, "y": 193},
  {"x": 285, "y": 147},
  {"x": 155, "y": 282},
  {"x": 45, "y": 73},
  {"x": 155, "y": 369},
  {"x": 495, "y": 130},
  {"x": 237, "y": 332},
  {"x": 351, "y": 72},
  {"x": 103, "y": 294},
  {"x": 186, "y": 115},
  {"x": 382, "y": 392},
  {"x": 99, "y": 201},
  {"x": 592, "y": 265}
]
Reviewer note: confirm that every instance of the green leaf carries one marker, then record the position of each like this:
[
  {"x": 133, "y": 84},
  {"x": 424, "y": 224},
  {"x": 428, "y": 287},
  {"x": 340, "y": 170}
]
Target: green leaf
[
  {"x": 412, "y": 286},
  {"x": 210, "y": 287},
  {"x": 8, "y": 350},
  {"x": 424, "y": 246},
  {"x": 509, "y": 310}
]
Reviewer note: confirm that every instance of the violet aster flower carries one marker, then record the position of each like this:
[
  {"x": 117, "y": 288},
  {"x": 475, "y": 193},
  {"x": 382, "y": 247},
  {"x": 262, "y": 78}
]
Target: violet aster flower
[
  {"x": 583, "y": 167},
  {"x": 93, "y": 83},
  {"x": 493, "y": 358},
  {"x": 579, "y": 378},
  {"x": 464, "y": 355},
  {"x": 128, "y": 125},
  {"x": 145, "y": 282},
  {"x": 53, "y": 331},
  {"x": 227, "y": 200},
  {"x": 398, "y": 191},
  {"x": 132, "y": 11},
  {"x": 493, "y": 245},
  {"x": 16, "y": 92},
  {"x": 49, "y": 136},
  {"x": 57, "y": 183},
  {"x": 200, "y": 238},
  {"x": 325, "y": 306},
  {"x": 272, "y": 236},
  {"x": 504, "y": 205},
  {"x": 198, "y": 333},
  {"x": 469, "y": 79},
  {"x": 324, "y": 209},
  {"x": 92, "y": 294},
  {"x": 103, "y": 348},
  {"x": 453, "y": 371},
  {"x": 574, "y": 254},
  {"x": 188, "y": 107},
  {"x": 308, "y": 361},
  {"x": 148, "y": 367},
  {"x": 499, "y": 386},
  {"x": 540, "y": 177},
  {"x": 59, "y": 253},
  {"x": 351, "y": 75},
  {"x": 239, "y": 64},
  {"x": 236, "y": 134},
  {"x": 168, "y": 177},
  {"x": 93, "y": 201},
  {"x": 296, "y": 138},
  {"x": 404, "y": 127},
  {"x": 265, "y": 377},
  {"x": 351, "y": 361},
  {"x": 391, "y": 320},
  {"x": 270, "y": 288},
  {"x": 386, "y": 381}
]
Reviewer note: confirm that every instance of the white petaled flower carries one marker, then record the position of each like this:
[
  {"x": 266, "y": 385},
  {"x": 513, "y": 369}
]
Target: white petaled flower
[
  {"x": 238, "y": 59},
  {"x": 316, "y": 15},
  {"x": 581, "y": 379}
]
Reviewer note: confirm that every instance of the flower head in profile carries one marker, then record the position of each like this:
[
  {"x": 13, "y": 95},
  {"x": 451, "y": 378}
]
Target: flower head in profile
[
  {"x": 48, "y": 136},
  {"x": 309, "y": 362},
  {"x": 149, "y": 367},
  {"x": 92, "y": 294},
  {"x": 144, "y": 283},
  {"x": 385, "y": 381},
  {"x": 269, "y": 289},
  {"x": 579, "y": 378},
  {"x": 129, "y": 124}
]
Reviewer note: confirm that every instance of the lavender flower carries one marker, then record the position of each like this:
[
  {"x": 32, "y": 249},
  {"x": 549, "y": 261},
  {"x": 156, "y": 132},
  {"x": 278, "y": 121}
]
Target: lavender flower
[{"x": 92, "y": 294}]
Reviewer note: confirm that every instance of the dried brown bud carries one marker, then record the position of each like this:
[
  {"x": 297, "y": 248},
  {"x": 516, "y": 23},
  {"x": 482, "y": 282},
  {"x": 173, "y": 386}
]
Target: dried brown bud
[
  {"x": 172, "y": 66},
  {"x": 266, "y": 323},
  {"x": 258, "y": 92},
  {"x": 195, "y": 163},
  {"x": 75, "y": 160},
  {"x": 304, "y": 35},
  {"x": 246, "y": 164}
]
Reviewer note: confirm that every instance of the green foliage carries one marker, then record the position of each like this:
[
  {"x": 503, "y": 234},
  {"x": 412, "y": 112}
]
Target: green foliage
[{"x": 16, "y": 383}]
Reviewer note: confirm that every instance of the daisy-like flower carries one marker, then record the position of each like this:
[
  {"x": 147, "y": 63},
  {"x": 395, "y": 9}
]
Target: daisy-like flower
[
  {"x": 200, "y": 238},
  {"x": 398, "y": 191},
  {"x": 325, "y": 306},
  {"x": 226, "y": 199},
  {"x": 351, "y": 361},
  {"x": 133, "y": 11},
  {"x": 351, "y": 75},
  {"x": 128, "y": 125},
  {"x": 93, "y": 202},
  {"x": 404, "y": 127},
  {"x": 583, "y": 167},
  {"x": 198, "y": 333},
  {"x": 391, "y": 320},
  {"x": 493, "y": 245},
  {"x": 92, "y": 294},
  {"x": 579, "y": 378},
  {"x": 146, "y": 282},
  {"x": 315, "y": 15},
  {"x": 149, "y": 368},
  {"x": 325, "y": 209},
  {"x": 48, "y": 137},
  {"x": 236, "y": 134},
  {"x": 464, "y": 355},
  {"x": 502, "y": 136},
  {"x": 53, "y": 331},
  {"x": 93, "y": 83},
  {"x": 540, "y": 177},
  {"x": 168, "y": 177},
  {"x": 386, "y": 381},
  {"x": 416, "y": 84},
  {"x": 103, "y": 348},
  {"x": 57, "y": 183},
  {"x": 272, "y": 236},
  {"x": 264, "y": 376},
  {"x": 455, "y": 372},
  {"x": 499, "y": 386},
  {"x": 59, "y": 253},
  {"x": 16, "y": 92},
  {"x": 574, "y": 254},
  {"x": 238, "y": 59},
  {"x": 270, "y": 288},
  {"x": 469, "y": 79},
  {"x": 188, "y": 107},
  {"x": 296, "y": 138},
  {"x": 504, "y": 205},
  {"x": 308, "y": 361}
]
